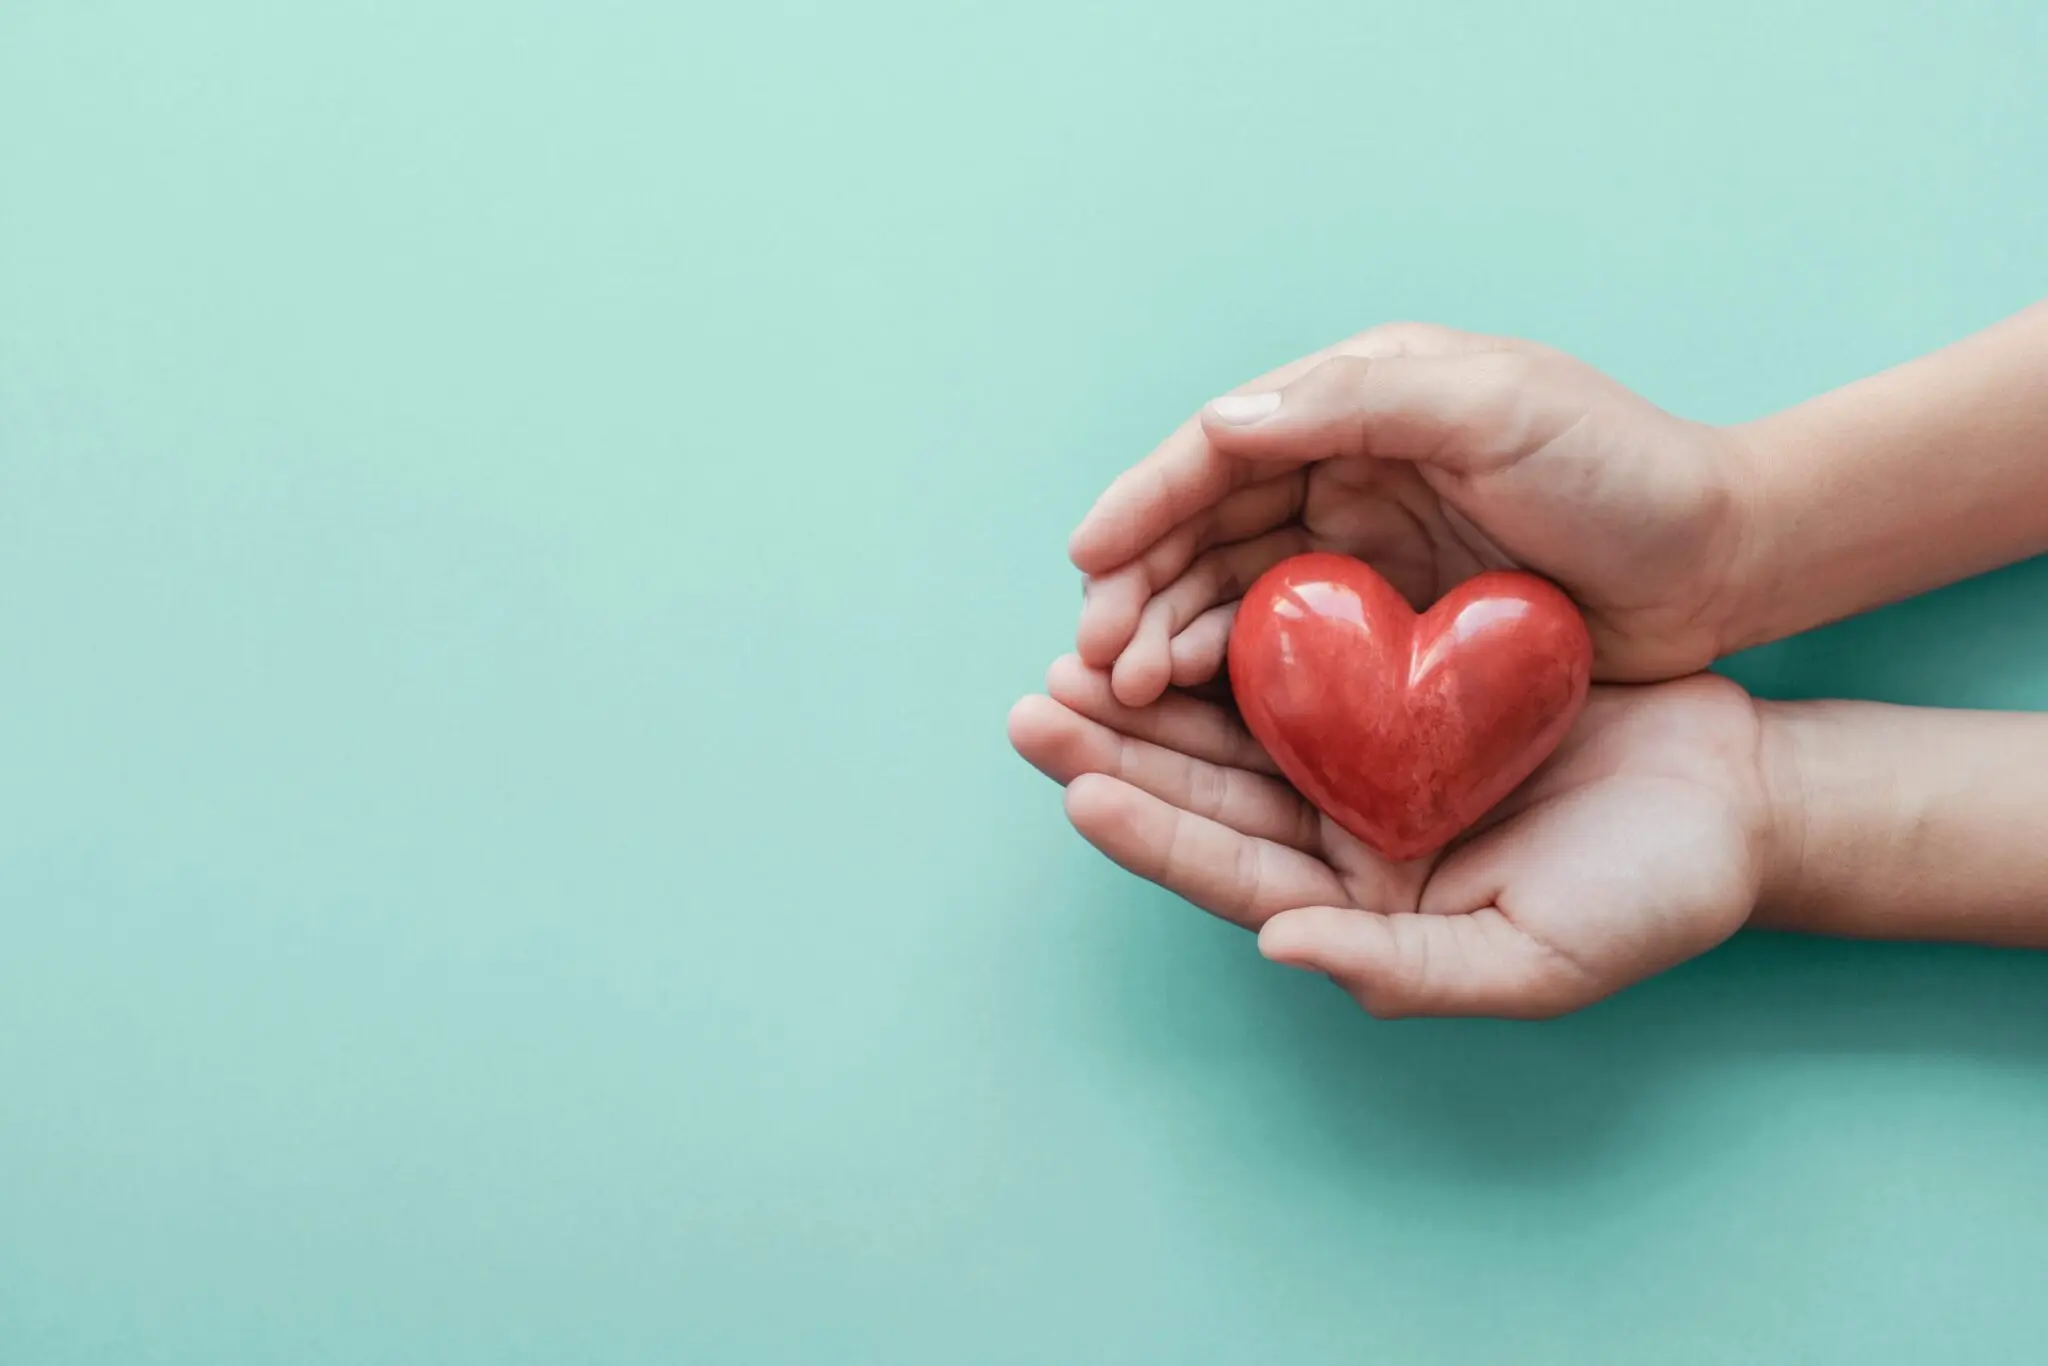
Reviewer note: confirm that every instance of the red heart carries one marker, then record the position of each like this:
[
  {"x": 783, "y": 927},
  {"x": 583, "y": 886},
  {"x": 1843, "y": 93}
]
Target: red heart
[{"x": 1406, "y": 729}]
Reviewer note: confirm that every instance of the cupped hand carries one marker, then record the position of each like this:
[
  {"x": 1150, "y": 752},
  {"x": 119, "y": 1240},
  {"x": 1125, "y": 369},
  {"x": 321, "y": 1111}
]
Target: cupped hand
[
  {"x": 1642, "y": 842},
  {"x": 1432, "y": 455}
]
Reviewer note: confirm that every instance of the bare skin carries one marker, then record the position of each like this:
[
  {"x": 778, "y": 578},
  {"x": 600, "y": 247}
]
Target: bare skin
[
  {"x": 1433, "y": 455},
  {"x": 1645, "y": 840},
  {"x": 1675, "y": 812}
]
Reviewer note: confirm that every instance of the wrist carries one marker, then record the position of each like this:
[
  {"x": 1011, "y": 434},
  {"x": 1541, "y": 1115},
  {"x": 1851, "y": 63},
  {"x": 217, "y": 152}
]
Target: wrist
[
  {"x": 1784, "y": 758},
  {"x": 1891, "y": 485},
  {"x": 1763, "y": 503},
  {"x": 1891, "y": 822}
]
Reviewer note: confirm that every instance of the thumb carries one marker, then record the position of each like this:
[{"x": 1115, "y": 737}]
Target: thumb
[
  {"x": 1476, "y": 963},
  {"x": 1467, "y": 412}
]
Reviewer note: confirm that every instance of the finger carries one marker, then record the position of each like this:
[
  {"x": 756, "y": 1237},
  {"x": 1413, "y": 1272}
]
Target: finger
[
  {"x": 1228, "y": 874},
  {"x": 1186, "y": 473},
  {"x": 1384, "y": 512},
  {"x": 1110, "y": 608},
  {"x": 1222, "y": 575},
  {"x": 1201, "y": 730},
  {"x": 1110, "y": 612},
  {"x": 1464, "y": 412},
  {"x": 1200, "y": 651},
  {"x": 1183, "y": 476},
  {"x": 1477, "y": 963},
  {"x": 1064, "y": 745}
]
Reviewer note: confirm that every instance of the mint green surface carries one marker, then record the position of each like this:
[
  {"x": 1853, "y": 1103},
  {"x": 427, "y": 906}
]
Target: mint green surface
[{"x": 519, "y": 525}]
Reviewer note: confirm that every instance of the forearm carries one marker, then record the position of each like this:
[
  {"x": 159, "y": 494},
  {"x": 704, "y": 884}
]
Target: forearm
[
  {"x": 1917, "y": 477},
  {"x": 1907, "y": 823}
]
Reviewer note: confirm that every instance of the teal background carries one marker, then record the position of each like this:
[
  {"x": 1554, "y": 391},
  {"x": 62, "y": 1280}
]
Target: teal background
[{"x": 519, "y": 524}]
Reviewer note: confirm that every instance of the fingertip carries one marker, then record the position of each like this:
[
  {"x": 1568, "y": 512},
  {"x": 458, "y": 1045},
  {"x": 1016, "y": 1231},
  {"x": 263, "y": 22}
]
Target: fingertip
[
  {"x": 1290, "y": 939},
  {"x": 1089, "y": 544},
  {"x": 1028, "y": 720},
  {"x": 1095, "y": 647},
  {"x": 1103, "y": 811},
  {"x": 1235, "y": 412},
  {"x": 1136, "y": 681},
  {"x": 1343, "y": 944},
  {"x": 1189, "y": 671},
  {"x": 1035, "y": 733},
  {"x": 1092, "y": 802},
  {"x": 1110, "y": 615},
  {"x": 1278, "y": 947},
  {"x": 1058, "y": 741},
  {"x": 1243, "y": 423},
  {"x": 1202, "y": 651},
  {"x": 1079, "y": 542},
  {"x": 1067, "y": 676}
]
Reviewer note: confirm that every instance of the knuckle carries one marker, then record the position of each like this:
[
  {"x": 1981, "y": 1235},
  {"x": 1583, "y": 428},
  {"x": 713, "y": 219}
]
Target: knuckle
[
  {"x": 1307, "y": 826},
  {"x": 1415, "y": 962},
  {"x": 1245, "y": 874},
  {"x": 1401, "y": 338},
  {"x": 1509, "y": 370},
  {"x": 1342, "y": 374}
]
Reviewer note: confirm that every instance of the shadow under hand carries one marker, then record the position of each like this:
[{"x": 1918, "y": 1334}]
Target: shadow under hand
[
  {"x": 1285, "y": 1067},
  {"x": 1970, "y": 645},
  {"x": 1288, "y": 1070}
]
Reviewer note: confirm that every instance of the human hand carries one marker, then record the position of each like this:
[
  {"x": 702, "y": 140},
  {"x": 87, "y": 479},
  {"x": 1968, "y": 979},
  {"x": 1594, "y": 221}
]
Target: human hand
[
  {"x": 1432, "y": 455},
  {"x": 1644, "y": 841}
]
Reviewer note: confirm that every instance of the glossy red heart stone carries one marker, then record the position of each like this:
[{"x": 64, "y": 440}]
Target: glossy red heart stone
[{"x": 1406, "y": 729}]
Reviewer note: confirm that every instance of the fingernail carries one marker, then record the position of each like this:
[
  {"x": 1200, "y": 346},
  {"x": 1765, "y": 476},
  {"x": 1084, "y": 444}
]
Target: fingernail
[
  {"x": 1286, "y": 956},
  {"x": 1241, "y": 410}
]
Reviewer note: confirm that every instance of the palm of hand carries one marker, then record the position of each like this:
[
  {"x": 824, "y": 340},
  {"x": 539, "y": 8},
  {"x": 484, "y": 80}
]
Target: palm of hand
[
  {"x": 1637, "y": 846},
  {"x": 1386, "y": 514}
]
